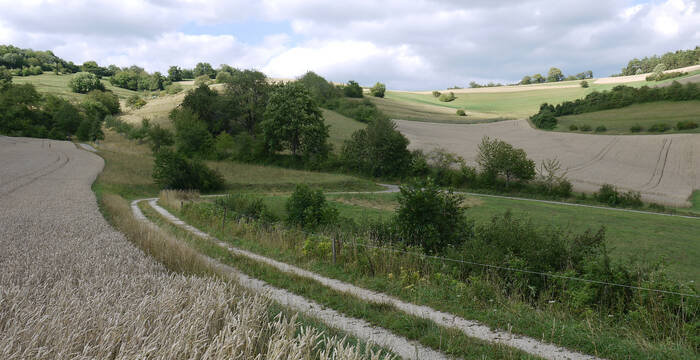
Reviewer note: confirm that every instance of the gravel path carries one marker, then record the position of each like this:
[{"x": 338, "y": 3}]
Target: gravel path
[
  {"x": 361, "y": 329},
  {"x": 470, "y": 328}
]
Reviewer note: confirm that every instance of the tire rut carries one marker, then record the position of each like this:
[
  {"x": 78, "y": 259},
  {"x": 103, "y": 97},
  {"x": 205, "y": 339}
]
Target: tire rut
[
  {"x": 32, "y": 179},
  {"x": 598, "y": 157},
  {"x": 659, "y": 167}
]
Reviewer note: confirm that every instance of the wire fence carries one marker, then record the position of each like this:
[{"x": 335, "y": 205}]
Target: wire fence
[{"x": 335, "y": 250}]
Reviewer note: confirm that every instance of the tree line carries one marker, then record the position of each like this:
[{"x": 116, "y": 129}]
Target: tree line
[
  {"x": 670, "y": 60},
  {"x": 617, "y": 97},
  {"x": 554, "y": 75}
]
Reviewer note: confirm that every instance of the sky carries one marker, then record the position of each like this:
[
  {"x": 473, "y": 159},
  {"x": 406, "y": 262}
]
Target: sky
[{"x": 408, "y": 45}]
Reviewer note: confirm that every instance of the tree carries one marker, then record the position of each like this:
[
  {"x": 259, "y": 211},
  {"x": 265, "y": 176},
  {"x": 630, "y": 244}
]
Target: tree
[
  {"x": 85, "y": 82},
  {"x": 294, "y": 121},
  {"x": 352, "y": 89},
  {"x": 93, "y": 68},
  {"x": 246, "y": 97},
  {"x": 526, "y": 80},
  {"x": 106, "y": 98},
  {"x": 205, "y": 103},
  {"x": 496, "y": 157},
  {"x": 584, "y": 84},
  {"x": 538, "y": 78},
  {"x": 5, "y": 78},
  {"x": 555, "y": 75},
  {"x": 430, "y": 217},
  {"x": 192, "y": 137},
  {"x": 172, "y": 170},
  {"x": 159, "y": 137},
  {"x": 321, "y": 90},
  {"x": 378, "y": 150},
  {"x": 378, "y": 90},
  {"x": 204, "y": 69},
  {"x": 308, "y": 208},
  {"x": 175, "y": 73}
]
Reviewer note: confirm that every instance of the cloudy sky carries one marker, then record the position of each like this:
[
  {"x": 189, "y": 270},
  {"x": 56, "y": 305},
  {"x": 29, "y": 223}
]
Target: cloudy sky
[{"x": 406, "y": 44}]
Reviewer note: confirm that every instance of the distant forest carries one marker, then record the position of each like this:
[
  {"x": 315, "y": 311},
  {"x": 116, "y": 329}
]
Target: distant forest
[{"x": 671, "y": 60}]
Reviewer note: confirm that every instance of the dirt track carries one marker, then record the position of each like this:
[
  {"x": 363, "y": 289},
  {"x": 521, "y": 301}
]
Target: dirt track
[{"x": 664, "y": 168}]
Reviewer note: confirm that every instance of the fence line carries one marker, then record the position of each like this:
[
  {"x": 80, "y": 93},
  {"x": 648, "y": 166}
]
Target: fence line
[{"x": 467, "y": 262}]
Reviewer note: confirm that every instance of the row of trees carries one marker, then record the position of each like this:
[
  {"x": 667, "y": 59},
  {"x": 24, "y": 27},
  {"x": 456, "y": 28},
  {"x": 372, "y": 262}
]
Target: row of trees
[
  {"x": 24, "y": 112},
  {"x": 554, "y": 75},
  {"x": 670, "y": 60},
  {"x": 617, "y": 97}
]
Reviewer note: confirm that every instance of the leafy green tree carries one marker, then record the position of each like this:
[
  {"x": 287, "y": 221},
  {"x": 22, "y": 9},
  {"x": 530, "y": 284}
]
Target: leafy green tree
[
  {"x": 294, "y": 121},
  {"x": 526, "y": 80},
  {"x": 93, "y": 68},
  {"x": 321, "y": 90},
  {"x": 584, "y": 84},
  {"x": 206, "y": 104},
  {"x": 125, "y": 80},
  {"x": 378, "y": 90},
  {"x": 187, "y": 74},
  {"x": 175, "y": 73},
  {"x": 106, "y": 98},
  {"x": 172, "y": 170},
  {"x": 159, "y": 137},
  {"x": 430, "y": 217},
  {"x": 555, "y": 75},
  {"x": 352, "y": 89},
  {"x": 378, "y": 150},
  {"x": 224, "y": 146},
  {"x": 246, "y": 97},
  {"x": 192, "y": 137},
  {"x": 85, "y": 82},
  {"x": 308, "y": 208},
  {"x": 203, "y": 68},
  {"x": 498, "y": 158},
  {"x": 538, "y": 78},
  {"x": 5, "y": 78}
]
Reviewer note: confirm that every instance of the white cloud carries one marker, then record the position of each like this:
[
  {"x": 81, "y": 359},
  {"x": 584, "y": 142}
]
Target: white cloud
[{"x": 407, "y": 44}]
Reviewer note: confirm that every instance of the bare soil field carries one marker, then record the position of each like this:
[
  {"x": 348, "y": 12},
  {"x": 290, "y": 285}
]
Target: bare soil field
[{"x": 664, "y": 168}]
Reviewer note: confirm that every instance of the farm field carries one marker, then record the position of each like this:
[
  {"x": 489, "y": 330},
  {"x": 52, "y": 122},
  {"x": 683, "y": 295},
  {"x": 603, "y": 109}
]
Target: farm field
[
  {"x": 663, "y": 168},
  {"x": 58, "y": 85},
  {"x": 406, "y": 110},
  {"x": 341, "y": 128},
  {"x": 619, "y": 121},
  {"x": 515, "y": 102}
]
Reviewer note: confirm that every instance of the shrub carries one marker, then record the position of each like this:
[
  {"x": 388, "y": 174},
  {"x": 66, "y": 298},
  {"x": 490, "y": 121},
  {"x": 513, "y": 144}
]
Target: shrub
[
  {"x": 159, "y": 137},
  {"x": 191, "y": 134},
  {"x": 352, "y": 90},
  {"x": 461, "y": 112},
  {"x": 378, "y": 90},
  {"x": 436, "y": 93},
  {"x": 202, "y": 80},
  {"x": 378, "y": 150},
  {"x": 585, "y": 128},
  {"x": 447, "y": 97},
  {"x": 636, "y": 128},
  {"x": 584, "y": 84},
  {"x": 308, "y": 208},
  {"x": 172, "y": 170},
  {"x": 85, "y": 82},
  {"x": 573, "y": 127},
  {"x": 659, "y": 127},
  {"x": 498, "y": 158},
  {"x": 223, "y": 146},
  {"x": 247, "y": 206},
  {"x": 431, "y": 218},
  {"x": 135, "y": 102},
  {"x": 106, "y": 98},
  {"x": 686, "y": 125},
  {"x": 608, "y": 194},
  {"x": 601, "y": 128},
  {"x": 545, "y": 118},
  {"x": 173, "y": 89}
]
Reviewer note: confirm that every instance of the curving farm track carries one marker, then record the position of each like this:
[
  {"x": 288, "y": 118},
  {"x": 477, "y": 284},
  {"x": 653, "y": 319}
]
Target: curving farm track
[{"x": 664, "y": 168}]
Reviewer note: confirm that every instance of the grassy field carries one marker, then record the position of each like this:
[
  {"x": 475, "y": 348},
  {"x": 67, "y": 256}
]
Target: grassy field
[
  {"x": 416, "y": 111},
  {"x": 58, "y": 85},
  {"x": 619, "y": 121},
  {"x": 512, "y": 104},
  {"x": 646, "y": 237},
  {"x": 129, "y": 165},
  {"x": 341, "y": 129}
]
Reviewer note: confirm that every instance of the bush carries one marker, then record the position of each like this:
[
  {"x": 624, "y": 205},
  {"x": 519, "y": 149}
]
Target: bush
[
  {"x": 173, "y": 89},
  {"x": 636, "y": 128},
  {"x": 584, "y": 84},
  {"x": 106, "y": 98},
  {"x": 447, "y": 97},
  {"x": 173, "y": 170},
  {"x": 135, "y": 102},
  {"x": 308, "y": 208},
  {"x": 352, "y": 90},
  {"x": 545, "y": 118},
  {"x": 659, "y": 127},
  {"x": 573, "y": 127},
  {"x": 498, "y": 158},
  {"x": 85, "y": 82},
  {"x": 159, "y": 137},
  {"x": 601, "y": 128},
  {"x": 202, "y": 80},
  {"x": 247, "y": 206},
  {"x": 461, "y": 112},
  {"x": 436, "y": 93},
  {"x": 585, "y": 128},
  {"x": 191, "y": 134},
  {"x": 378, "y": 90},
  {"x": 686, "y": 125},
  {"x": 379, "y": 150},
  {"x": 431, "y": 218},
  {"x": 224, "y": 146},
  {"x": 609, "y": 195}
]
